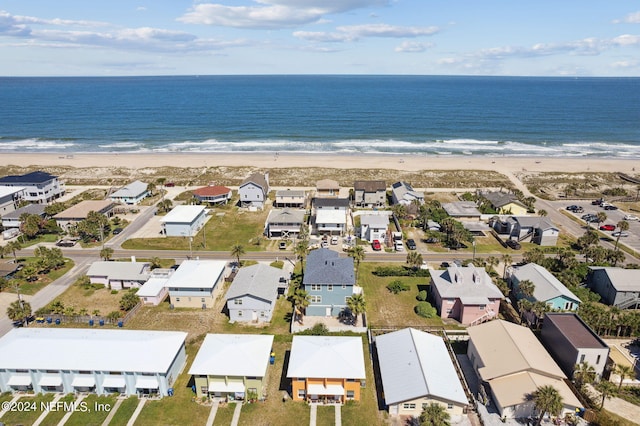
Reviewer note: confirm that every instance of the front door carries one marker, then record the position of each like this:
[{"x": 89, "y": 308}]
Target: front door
[
  {"x": 254, "y": 316},
  {"x": 328, "y": 312}
]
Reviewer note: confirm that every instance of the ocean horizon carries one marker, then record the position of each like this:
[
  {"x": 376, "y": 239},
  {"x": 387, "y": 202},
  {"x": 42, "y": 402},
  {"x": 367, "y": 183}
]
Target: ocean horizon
[{"x": 306, "y": 114}]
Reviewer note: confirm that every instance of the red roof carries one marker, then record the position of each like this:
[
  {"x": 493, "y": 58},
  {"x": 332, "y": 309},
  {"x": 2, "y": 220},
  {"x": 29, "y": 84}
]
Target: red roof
[{"x": 210, "y": 191}]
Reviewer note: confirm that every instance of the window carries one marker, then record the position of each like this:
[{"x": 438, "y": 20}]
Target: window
[
  {"x": 300, "y": 380},
  {"x": 449, "y": 311},
  {"x": 330, "y": 287},
  {"x": 350, "y": 394},
  {"x": 409, "y": 406},
  {"x": 301, "y": 393},
  {"x": 598, "y": 359},
  {"x": 449, "y": 406},
  {"x": 237, "y": 301},
  {"x": 316, "y": 287},
  {"x": 482, "y": 307},
  {"x": 315, "y": 299},
  {"x": 344, "y": 286},
  {"x": 204, "y": 389},
  {"x": 262, "y": 314},
  {"x": 582, "y": 358},
  {"x": 202, "y": 300},
  {"x": 177, "y": 299},
  {"x": 239, "y": 313}
]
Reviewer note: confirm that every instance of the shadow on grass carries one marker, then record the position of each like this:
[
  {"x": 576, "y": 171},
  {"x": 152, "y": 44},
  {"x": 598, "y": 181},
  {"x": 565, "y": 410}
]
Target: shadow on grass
[{"x": 285, "y": 383}]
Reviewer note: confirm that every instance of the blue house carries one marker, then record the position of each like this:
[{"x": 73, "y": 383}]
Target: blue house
[
  {"x": 329, "y": 279},
  {"x": 547, "y": 287}
]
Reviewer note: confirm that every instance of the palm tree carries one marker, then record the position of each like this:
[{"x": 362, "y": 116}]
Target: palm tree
[
  {"x": 357, "y": 305},
  {"x": 601, "y": 217},
  {"x": 583, "y": 373},
  {"x": 547, "y": 399},
  {"x": 358, "y": 255},
  {"x": 526, "y": 287},
  {"x": 13, "y": 247},
  {"x": 492, "y": 262},
  {"x": 19, "y": 310},
  {"x": 606, "y": 389},
  {"x": 623, "y": 225},
  {"x": 301, "y": 250},
  {"x": 106, "y": 253},
  {"x": 542, "y": 213},
  {"x": 434, "y": 415},
  {"x": 237, "y": 250},
  {"x": 507, "y": 260},
  {"x": 414, "y": 259},
  {"x": 156, "y": 262},
  {"x": 300, "y": 300},
  {"x": 161, "y": 181},
  {"x": 624, "y": 371},
  {"x": 95, "y": 312},
  {"x": 448, "y": 225},
  {"x": 151, "y": 187}
]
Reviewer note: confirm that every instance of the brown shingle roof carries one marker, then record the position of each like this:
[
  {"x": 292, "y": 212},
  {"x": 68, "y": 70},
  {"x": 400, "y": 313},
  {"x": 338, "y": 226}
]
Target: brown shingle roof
[
  {"x": 370, "y": 185},
  {"x": 575, "y": 330},
  {"x": 211, "y": 191}
]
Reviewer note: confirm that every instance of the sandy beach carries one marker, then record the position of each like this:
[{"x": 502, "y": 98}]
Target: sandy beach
[{"x": 338, "y": 161}]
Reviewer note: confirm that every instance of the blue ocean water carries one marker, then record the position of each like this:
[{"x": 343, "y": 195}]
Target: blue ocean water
[{"x": 434, "y": 115}]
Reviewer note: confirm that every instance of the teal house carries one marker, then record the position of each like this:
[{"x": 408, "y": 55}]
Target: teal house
[
  {"x": 547, "y": 287},
  {"x": 329, "y": 280}
]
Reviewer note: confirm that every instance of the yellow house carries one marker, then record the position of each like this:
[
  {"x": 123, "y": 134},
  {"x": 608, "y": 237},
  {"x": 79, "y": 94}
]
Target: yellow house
[
  {"x": 326, "y": 368},
  {"x": 193, "y": 283},
  {"x": 506, "y": 203}
]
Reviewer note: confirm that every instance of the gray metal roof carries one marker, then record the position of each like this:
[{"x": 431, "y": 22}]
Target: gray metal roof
[
  {"x": 130, "y": 271},
  {"x": 500, "y": 199},
  {"x": 547, "y": 286},
  {"x": 258, "y": 179},
  {"x": 403, "y": 190},
  {"x": 461, "y": 208},
  {"x": 469, "y": 282},
  {"x": 28, "y": 209},
  {"x": 134, "y": 189},
  {"x": 286, "y": 216},
  {"x": 331, "y": 202},
  {"x": 290, "y": 193},
  {"x": 374, "y": 220},
  {"x": 415, "y": 364},
  {"x": 534, "y": 222},
  {"x": 259, "y": 280},
  {"x": 325, "y": 266},
  {"x": 622, "y": 279}
]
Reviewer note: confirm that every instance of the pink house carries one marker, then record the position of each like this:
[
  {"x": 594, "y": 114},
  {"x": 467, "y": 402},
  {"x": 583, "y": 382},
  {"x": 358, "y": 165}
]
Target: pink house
[{"x": 466, "y": 294}]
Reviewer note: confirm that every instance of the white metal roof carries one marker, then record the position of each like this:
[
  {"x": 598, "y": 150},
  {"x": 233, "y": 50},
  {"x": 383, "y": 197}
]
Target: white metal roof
[
  {"x": 134, "y": 189},
  {"x": 375, "y": 220},
  {"x": 114, "y": 382},
  {"x": 326, "y": 357},
  {"x": 233, "y": 355},
  {"x": 183, "y": 214},
  {"x": 152, "y": 287},
  {"x": 415, "y": 364},
  {"x": 90, "y": 349},
  {"x": 197, "y": 274},
  {"x": 133, "y": 271},
  {"x": 331, "y": 216},
  {"x": 10, "y": 190}
]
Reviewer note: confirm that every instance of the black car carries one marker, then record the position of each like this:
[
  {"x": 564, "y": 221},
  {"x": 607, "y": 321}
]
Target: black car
[
  {"x": 513, "y": 244},
  {"x": 573, "y": 208},
  {"x": 411, "y": 244},
  {"x": 117, "y": 231},
  {"x": 432, "y": 240},
  {"x": 610, "y": 208}
]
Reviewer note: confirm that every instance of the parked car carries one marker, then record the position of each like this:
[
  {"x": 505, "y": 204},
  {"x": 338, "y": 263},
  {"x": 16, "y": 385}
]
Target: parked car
[
  {"x": 513, "y": 244},
  {"x": 631, "y": 217},
  {"x": 169, "y": 185},
  {"x": 597, "y": 202},
  {"x": 608, "y": 227},
  {"x": 375, "y": 244},
  {"x": 610, "y": 207},
  {"x": 66, "y": 243},
  {"x": 116, "y": 231},
  {"x": 398, "y": 246},
  {"x": 432, "y": 240},
  {"x": 324, "y": 244},
  {"x": 575, "y": 209},
  {"x": 620, "y": 234},
  {"x": 587, "y": 215},
  {"x": 282, "y": 245},
  {"x": 411, "y": 244},
  {"x": 334, "y": 240}
]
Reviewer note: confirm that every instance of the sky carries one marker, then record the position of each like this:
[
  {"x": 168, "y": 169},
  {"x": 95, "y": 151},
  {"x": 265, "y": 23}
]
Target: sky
[{"x": 423, "y": 37}]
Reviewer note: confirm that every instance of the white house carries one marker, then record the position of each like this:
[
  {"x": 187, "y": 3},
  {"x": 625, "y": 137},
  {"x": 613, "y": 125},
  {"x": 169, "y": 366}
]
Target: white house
[
  {"x": 102, "y": 361},
  {"x": 12, "y": 219},
  {"x": 253, "y": 293},
  {"x": 403, "y": 193},
  {"x": 155, "y": 290},
  {"x": 39, "y": 187},
  {"x": 290, "y": 198},
  {"x": 416, "y": 370},
  {"x": 130, "y": 194},
  {"x": 331, "y": 215},
  {"x": 284, "y": 223},
  {"x": 184, "y": 221},
  {"x": 119, "y": 275},
  {"x": 373, "y": 227},
  {"x": 254, "y": 190},
  {"x": 9, "y": 198},
  {"x": 193, "y": 283}
]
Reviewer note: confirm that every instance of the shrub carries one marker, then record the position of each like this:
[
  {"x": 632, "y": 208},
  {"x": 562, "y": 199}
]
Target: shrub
[
  {"x": 422, "y": 295},
  {"x": 319, "y": 329},
  {"x": 399, "y": 271},
  {"x": 396, "y": 286},
  {"x": 425, "y": 310}
]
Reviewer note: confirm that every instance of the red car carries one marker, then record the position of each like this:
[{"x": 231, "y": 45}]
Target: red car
[
  {"x": 375, "y": 244},
  {"x": 608, "y": 228}
]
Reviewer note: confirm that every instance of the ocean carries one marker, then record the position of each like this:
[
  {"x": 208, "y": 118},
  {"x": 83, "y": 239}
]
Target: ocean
[{"x": 429, "y": 115}]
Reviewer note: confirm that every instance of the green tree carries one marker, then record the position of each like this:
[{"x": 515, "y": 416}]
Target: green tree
[
  {"x": 93, "y": 227},
  {"x": 414, "y": 259},
  {"x": 356, "y": 305},
  {"x": 606, "y": 389},
  {"x": 542, "y": 213},
  {"x": 507, "y": 260},
  {"x": 491, "y": 263},
  {"x": 19, "y": 310},
  {"x": 300, "y": 300},
  {"x": 601, "y": 217},
  {"x": 13, "y": 247},
  {"x": 165, "y": 205},
  {"x": 623, "y": 225},
  {"x": 155, "y": 262},
  {"x": 397, "y": 286},
  {"x": 624, "y": 371},
  {"x": 128, "y": 301},
  {"x": 54, "y": 208},
  {"x": 358, "y": 255},
  {"x": 425, "y": 310},
  {"x": 31, "y": 224},
  {"x": 151, "y": 187},
  {"x": 547, "y": 399},
  {"x": 114, "y": 316},
  {"x": 583, "y": 373},
  {"x": 57, "y": 307},
  {"x": 236, "y": 251},
  {"x": 95, "y": 312},
  {"x": 526, "y": 288},
  {"x": 434, "y": 415},
  {"x": 301, "y": 250},
  {"x": 106, "y": 253}
]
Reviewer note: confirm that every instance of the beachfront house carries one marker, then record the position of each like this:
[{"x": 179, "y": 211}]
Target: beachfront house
[
  {"x": 403, "y": 193},
  {"x": 330, "y": 215},
  {"x": 462, "y": 210},
  {"x": 253, "y": 293},
  {"x": 184, "y": 221},
  {"x": 213, "y": 194},
  {"x": 12, "y": 219},
  {"x": 10, "y": 196},
  {"x": 39, "y": 187},
  {"x": 374, "y": 227},
  {"x": 326, "y": 368},
  {"x": 293, "y": 198},
  {"x": 232, "y": 366},
  {"x": 511, "y": 364},
  {"x": 285, "y": 223},
  {"x": 194, "y": 282},
  {"x": 329, "y": 280},
  {"x": 119, "y": 275},
  {"x": 570, "y": 342},
  {"x": 130, "y": 194},
  {"x": 466, "y": 294},
  {"x": 101, "y": 361},
  {"x": 327, "y": 188},
  {"x": 70, "y": 217},
  {"x": 505, "y": 203},
  {"x": 416, "y": 370},
  {"x": 254, "y": 191},
  {"x": 369, "y": 193},
  {"x": 617, "y": 287},
  {"x": 547, "y": 288}
]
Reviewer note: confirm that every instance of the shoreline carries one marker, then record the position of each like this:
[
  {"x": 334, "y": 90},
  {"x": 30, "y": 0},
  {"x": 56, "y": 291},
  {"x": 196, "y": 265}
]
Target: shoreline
[{"x": 410, "y": 162}]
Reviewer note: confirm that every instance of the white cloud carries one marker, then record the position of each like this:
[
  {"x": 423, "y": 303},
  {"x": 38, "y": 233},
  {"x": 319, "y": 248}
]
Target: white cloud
[
  {"x": 626, "y": 64},
  {"x": 357, "y": 32},
  {"x": 632, "y": 18},
  {"x": 271, "y": 13},
  {"x": 626, "y": 40},
  {"x": 412, "y": 47}
]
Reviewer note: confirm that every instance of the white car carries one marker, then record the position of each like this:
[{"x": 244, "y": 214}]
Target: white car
[
  {"x": 399, "y": 246},
  {"x": 631, "y": 217}
]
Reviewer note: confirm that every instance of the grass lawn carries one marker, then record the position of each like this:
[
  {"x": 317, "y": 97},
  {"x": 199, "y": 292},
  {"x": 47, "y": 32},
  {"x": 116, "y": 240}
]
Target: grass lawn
[
  {"x": 54, "y": 417},
  {"x": 27, "y": 416},
  {"x": 326, "y": 415},
  {"x": 43, "y": 280},
  {"x": 224, "y": 414},
  {"x": 385, "y": 308},
  {"x": 90, "y": 299},
  {"x": 7, "y": 396},
  {"x": 96, "y": 411},
  {"x": 41, "y": 238},
  {"x": 124, "y": 412}
]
